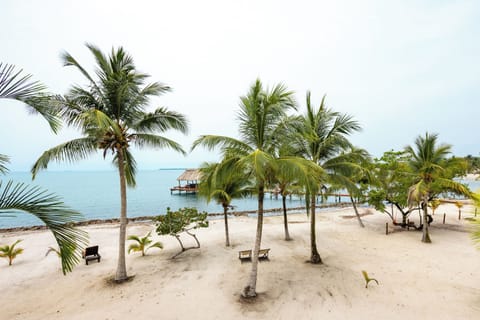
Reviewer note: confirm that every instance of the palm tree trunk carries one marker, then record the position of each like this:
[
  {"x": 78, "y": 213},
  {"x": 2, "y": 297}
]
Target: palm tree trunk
[
  {"x": 225, "y": 217},
  {"x": 315, "y": 257},
  {"x": 121, "y": 274},
  {"x": 425, "y": 235},
  {"x": 250, "y": 290},
  {"x": 356, "y": 212},
  {"x": 285, "y": 221}
]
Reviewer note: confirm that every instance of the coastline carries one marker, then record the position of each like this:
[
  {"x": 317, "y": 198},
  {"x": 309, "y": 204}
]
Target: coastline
[{"x": 151, "y": 218}]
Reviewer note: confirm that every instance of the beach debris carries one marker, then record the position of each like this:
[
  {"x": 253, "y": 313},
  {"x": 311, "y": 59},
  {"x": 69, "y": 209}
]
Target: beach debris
[
  {"x": 368, "y": 279},
  {"x": 10, "y": 252},
  {"x": 184, "y": 220},
  {"x": 143, "y": 244}
]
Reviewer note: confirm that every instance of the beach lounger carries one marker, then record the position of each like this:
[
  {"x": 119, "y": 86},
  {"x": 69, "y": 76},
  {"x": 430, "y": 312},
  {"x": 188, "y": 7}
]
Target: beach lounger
[
  {"x": 91, "y": 253},
  {"x": 246, "y": 255},
  {"x": 263, "y": 253}
]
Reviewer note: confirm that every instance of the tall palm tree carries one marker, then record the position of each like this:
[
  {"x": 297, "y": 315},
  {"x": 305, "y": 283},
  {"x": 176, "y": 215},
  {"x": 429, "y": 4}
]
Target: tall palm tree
[
  {"x": 16, "y": 197},
  {"x": 430, "y": 165},
  {"x": 321, "y": 134},
  {"x": 261, "y": 111},
  {"x": 111, "y": 114},
  {"x": 223, "y": 183}
]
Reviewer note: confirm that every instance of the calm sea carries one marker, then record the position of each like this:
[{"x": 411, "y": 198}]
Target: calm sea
[{"x": 96, "y": 195}]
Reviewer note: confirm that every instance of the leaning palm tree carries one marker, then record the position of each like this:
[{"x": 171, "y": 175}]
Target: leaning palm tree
[
  {"x": 19, "y": 197},
  {"x": 223, "y": 183},
  {"x": 321, "y": 134},
  {"x": 111, "y": 114},
  {"x": 430, "y": 166},
  {"x": 261, "y": 111}
]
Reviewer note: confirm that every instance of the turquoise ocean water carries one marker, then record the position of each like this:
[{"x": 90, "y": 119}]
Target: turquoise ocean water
[{"x": 96, "y": 195}]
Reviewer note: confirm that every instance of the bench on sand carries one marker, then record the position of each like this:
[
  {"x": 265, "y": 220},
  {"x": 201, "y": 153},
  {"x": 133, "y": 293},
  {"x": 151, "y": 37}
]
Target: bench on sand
[
  {"x": 247, "y": 254},
  {"x": 91, "y": 253}
]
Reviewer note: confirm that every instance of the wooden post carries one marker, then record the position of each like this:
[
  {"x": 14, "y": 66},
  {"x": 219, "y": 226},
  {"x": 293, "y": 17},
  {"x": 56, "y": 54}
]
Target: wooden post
[
  {"x": 444, "y": 218},
  {"x": 459, "y": 214},
  {"x": 386, "y": 228},
  {"x": 475, "y": 212}
]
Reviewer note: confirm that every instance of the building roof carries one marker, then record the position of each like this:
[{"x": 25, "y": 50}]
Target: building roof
[{"x": 190, "y": 175}]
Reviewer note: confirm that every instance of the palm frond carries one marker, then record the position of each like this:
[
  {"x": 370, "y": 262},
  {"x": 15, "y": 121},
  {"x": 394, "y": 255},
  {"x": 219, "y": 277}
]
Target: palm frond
[
  {"x": 15, "y": 86},
  {"x": 70, "y": 151},
  {"x": 4, "y": 160},
  {"x": 50, "y": 210},
  {"x": 162, "y": 120},
  {"x": 210, "y": 142},
  {"x": 154, "y": 141}
]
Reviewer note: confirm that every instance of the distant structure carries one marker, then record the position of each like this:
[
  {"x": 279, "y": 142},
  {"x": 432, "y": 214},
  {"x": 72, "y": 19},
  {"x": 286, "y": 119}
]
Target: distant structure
[{"x": 191, "y": 178}]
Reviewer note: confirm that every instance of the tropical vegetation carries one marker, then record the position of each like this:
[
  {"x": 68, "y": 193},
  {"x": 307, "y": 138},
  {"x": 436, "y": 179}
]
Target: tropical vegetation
[
  {"x": 174, "y": 223},
  {"x": 222, "y": 183},
  {"x": 110, "y": 112},
  {"x": 321, "y": 136},
  {"x": 143, "y": 244},
  {"x": 433, "y": 174},
  {"x": 10, "y": 251},
  {"x": 262, "y": 114},
  {"x": 20, "y": 197}
]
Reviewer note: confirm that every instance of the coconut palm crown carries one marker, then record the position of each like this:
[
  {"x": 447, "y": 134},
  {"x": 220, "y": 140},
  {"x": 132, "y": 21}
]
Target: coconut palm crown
[
  {"x": 110, "y": 111},
  {"x": 433, "y": 174}
]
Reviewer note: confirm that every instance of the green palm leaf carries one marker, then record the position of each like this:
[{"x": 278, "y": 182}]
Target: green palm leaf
[{"x": 51, "y": 211}]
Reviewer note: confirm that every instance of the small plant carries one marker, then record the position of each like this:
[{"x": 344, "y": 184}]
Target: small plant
[
  {"x": 142, "y": 244},
  {"x": 52, "y": 249},
  {"x": 10, "y": 252}
]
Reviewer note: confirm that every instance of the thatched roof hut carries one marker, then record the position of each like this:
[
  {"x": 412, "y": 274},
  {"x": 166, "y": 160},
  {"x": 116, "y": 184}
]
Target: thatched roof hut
[
  {"x": 192, "y": 177},
  {"x": 188, "y": 175}
]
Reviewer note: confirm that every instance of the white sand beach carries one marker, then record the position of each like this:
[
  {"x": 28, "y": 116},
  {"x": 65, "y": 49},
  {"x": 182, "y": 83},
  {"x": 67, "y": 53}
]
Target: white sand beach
[{"x": 440, "y": 280}]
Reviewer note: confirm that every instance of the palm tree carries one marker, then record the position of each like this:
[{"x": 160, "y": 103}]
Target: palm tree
[
  {"x": 10, "y": 252},
  {"x": 260, "y": 113},
  {"x": 20, "y": 197},
  {"x": 110, "y": 112},
  {"x": 321, "y": 134},
  {"x": 223, "y": 183},
  {"x": 431, "y": 168}
]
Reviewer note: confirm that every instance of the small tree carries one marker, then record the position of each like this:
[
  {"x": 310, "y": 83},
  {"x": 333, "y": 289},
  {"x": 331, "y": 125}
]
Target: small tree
[
  {"x": 10, "y": 252},
  {"x": 142, "y": 244},
  {"x": 175, "y": 222}
]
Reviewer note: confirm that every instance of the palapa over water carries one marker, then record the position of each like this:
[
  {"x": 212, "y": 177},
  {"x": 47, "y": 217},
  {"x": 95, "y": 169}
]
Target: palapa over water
[{"x": 191, "y": 177}]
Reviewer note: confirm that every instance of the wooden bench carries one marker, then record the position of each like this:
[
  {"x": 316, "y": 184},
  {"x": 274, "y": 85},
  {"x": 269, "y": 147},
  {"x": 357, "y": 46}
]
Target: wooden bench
[{"x": 245, "y": 255}]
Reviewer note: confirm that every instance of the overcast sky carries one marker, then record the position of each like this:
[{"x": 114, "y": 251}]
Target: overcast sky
[{"x": 401, "y": 68}]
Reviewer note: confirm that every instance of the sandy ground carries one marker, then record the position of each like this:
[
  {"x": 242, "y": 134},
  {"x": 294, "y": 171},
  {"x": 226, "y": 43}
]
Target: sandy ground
[{"x": 440, "y": 280}]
